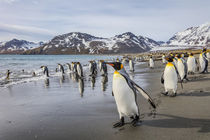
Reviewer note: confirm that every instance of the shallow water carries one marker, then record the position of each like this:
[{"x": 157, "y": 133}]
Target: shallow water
[{"x": 22, "y": 66}]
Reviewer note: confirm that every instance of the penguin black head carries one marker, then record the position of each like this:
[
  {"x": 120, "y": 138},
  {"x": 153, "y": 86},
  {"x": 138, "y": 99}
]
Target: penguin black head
[
  {"x": 170, "y": 58},
  {"x": 115, "y": 65},
  {"x": 191, "y": 54},
  {"x": 204, "y": 50},
  {"x": 179, "y": 56}
]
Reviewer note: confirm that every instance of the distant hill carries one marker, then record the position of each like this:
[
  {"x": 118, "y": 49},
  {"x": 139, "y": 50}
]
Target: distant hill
[
  {"x": 193, "y": 36},
  {"x": 16, "y": 46},
  {"x": 82, "y": 43}
]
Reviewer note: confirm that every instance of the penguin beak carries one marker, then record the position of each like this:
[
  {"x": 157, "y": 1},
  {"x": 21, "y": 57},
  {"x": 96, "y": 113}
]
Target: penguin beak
[{"x": 111, "y": 64}]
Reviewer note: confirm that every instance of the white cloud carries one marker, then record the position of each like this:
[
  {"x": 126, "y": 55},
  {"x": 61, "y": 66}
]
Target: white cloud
[
  {"x": 106, "y": 18},
  {"x": 8, "y": 1}
]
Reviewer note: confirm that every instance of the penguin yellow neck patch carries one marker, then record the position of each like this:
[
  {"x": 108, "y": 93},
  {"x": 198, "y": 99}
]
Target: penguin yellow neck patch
[
  {"x": 116, "y": 72},
  {"x": 170, "y": 64}
]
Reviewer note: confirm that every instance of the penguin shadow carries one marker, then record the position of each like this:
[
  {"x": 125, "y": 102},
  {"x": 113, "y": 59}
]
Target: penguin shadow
[
  {"x": 173, "y": 121},
  {"x": 197, "y": 79},
  {"x": 200, "y": 93}
]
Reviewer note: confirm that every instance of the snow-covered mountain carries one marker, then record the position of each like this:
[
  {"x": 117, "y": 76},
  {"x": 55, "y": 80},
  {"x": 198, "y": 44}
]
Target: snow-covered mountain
[
  {"x": 17, "y": 46},
  {"x": 194, "y": 36},
  {"x": 82, "y": 43}
]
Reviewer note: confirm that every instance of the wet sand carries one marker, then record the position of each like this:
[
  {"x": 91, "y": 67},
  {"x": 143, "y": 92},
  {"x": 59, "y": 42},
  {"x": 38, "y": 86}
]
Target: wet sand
[{"x": 33, "y": 111}]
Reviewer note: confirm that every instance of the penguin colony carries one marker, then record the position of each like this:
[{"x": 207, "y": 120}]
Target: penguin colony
[{"x": 125, "y": 90}]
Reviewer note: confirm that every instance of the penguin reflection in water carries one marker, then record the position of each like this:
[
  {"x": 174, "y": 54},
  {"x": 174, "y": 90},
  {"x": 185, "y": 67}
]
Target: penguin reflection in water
[{"x": 125, "y": 94}]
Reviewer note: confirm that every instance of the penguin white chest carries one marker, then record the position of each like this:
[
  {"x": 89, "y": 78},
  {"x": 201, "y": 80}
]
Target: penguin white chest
[
  {"x": 202, "y": 62},
  {"x": 131, "y": 65},
  {"x": 191, "y": 65},
  {"x": 180, "y": 67},
  {"x": 124, "y": 96},
  {"x": 151, "y": 62},
  {"x": 170, "y": 77}
]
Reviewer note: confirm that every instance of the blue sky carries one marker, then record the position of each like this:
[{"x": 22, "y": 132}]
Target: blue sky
[{"x": 40, "y": 20}]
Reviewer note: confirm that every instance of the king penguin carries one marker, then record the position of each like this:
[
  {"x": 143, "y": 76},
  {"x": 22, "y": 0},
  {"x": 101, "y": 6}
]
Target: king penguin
[
  {"x": 45, "y": 70},
  {"x": 191, "y": 64},
  {"x": 170, "y": 77},
  {"x": 125, "y": 94},
  {"x": 92, "y": 68},
  {"x": 131, "y": 65},
  {"x": 8, "y": 74},
  {"x": 163, "y": 58},
  {"x": 79, "y": 70},
  {"x": 203, "y": 61},
  {"x": 60, "y": 68},
  {"x": 69, "y": 66},
  {"x": 182, "y": 68},
  {"x": 151, "y": 62},
  {"x": 103, "y": 68}
]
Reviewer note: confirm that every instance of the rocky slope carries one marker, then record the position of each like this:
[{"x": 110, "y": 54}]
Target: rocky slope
[
  {"x": 16, "y": 46},
  {"x": 82, "y": 43},
  {"x": 194, "y": 36}
]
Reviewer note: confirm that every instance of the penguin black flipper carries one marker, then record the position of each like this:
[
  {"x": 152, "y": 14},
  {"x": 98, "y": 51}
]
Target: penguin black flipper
[
  {"x": 146, "y": 95},
  {"x": 136, "y": 87}
]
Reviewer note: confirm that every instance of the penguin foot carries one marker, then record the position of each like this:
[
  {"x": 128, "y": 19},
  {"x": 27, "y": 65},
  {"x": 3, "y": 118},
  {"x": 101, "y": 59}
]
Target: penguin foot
[
  {"x": 136, "y": 121},
  {"x": 164, "y": 93},
  {"x": 174, "y": 95},
  {"x": 119, "y": 124}
]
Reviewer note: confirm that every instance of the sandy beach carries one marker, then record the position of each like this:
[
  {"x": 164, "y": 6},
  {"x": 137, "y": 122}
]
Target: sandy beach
[{"x": 59, "y": 112}]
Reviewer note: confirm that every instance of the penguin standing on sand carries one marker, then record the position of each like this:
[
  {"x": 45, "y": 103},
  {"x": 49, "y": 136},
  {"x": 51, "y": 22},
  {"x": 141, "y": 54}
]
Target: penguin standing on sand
[
  {"x": 103, "y": 68},
  {"x": 60, "y": 68},
  {"x": 79, "y": 70},
  {"x": 45, "y": 70},
  {"x": 163, "y": 58},
  {"x": 203, "y": 61},
  {"x": 182, "y": 68},
  {"x": 170, "y": 77},
  {"x": 131, "y": 65},
  {"x": 191, "y": 64},
  {"x": 125, "y": 94},
  {"x": 151, "y": 62}
]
